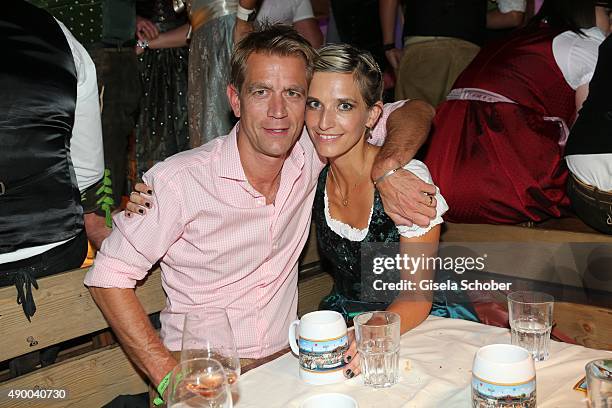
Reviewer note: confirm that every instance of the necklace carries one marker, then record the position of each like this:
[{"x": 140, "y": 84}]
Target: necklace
[{"x": 345, "y": 201}]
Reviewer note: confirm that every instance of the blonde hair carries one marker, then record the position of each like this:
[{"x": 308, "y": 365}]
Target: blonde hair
[
  {"x": 271, "y": 39},
  {"x": 346, "y": 59}
]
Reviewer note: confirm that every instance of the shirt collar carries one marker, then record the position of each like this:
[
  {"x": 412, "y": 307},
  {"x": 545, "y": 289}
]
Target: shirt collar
[{"x": 230, "y": 165}]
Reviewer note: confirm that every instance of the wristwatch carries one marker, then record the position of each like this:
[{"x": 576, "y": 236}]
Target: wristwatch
[{"x": 245, "y": 14}]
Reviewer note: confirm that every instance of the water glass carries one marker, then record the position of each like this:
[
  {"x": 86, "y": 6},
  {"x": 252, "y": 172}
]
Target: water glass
[
  {"x": 599, "y": 383},
  {"x": 378, "y": 343},
  {"x": 199, "y": 382},
  {"x": 531, "y": 317},
  {"x": 207, "y": 334}
]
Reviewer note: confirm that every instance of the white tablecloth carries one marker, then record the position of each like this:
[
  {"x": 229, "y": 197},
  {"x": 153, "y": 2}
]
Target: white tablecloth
[{"x": 440, "y": 353}]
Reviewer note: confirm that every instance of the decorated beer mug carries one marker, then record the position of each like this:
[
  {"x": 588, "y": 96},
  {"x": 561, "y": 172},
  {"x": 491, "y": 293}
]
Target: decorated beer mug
[
  {"x": 320, "y": 346},
  {"x": 503, "y": 375}
]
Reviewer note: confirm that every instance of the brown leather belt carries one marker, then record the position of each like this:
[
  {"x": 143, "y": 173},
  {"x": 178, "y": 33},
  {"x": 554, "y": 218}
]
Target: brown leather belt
[{"x": 592, "y": 193}]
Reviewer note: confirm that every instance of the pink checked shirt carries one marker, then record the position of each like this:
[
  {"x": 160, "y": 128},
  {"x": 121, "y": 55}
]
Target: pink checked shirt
[{"x": 218, "y": 242}]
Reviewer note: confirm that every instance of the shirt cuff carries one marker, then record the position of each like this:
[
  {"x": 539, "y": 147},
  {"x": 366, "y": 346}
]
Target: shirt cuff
[
  {"x": 420, "y": 170},
  {"x": 111, "y": 273}
]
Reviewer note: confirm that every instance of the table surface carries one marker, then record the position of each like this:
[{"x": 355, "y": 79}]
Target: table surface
[{"x": 435, "y": 365}]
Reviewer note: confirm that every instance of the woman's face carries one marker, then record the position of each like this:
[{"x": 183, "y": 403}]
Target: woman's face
[
  {"x": 602, "y": 19},
  {"x": 336, "y": 114}
]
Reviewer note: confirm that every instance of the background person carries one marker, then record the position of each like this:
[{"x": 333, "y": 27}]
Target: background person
[
  {"x": 497, "y": 147},
  {"x": 589, "y": 149},
  {"x": 51, "y": 156}
]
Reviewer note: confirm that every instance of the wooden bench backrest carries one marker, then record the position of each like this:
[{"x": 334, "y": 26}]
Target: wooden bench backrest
[{"x": 65, "y": 310}]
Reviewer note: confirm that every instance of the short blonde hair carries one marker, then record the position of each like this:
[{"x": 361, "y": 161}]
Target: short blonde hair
[
  {"x": 346, "y": 59},
  {"x": 271, "y": 39}
]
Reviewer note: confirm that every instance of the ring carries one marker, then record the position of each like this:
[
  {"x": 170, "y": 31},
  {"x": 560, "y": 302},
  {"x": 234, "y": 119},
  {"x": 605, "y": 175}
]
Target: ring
[{"x": 430, "y": 200}]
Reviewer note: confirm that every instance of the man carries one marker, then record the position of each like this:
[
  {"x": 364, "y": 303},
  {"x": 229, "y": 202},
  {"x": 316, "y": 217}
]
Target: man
[
  {"x": 588, "y": 152},
  {"x": 50, "y": 153},
  {"x": 107, "y": 28},
  {"x": 441, "y": 38},
  {"x": 229, "y": 219}
]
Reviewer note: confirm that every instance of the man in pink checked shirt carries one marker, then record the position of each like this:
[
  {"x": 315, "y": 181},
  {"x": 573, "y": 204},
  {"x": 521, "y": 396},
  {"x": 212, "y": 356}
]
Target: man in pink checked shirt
[{"x": 228, "y": 220}]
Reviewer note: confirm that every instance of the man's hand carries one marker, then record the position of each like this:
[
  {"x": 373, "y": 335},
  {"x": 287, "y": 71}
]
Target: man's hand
[
  {"x": 241, "y": 29},
  {"x": 145, "y": 29},
  {"x": 408, "y": 199},
  {"x": 394, "y": 56},
  {"x": 133, "y": 329}
]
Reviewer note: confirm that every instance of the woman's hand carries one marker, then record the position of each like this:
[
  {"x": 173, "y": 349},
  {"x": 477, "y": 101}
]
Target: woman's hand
[
  {"x": 145, "y": 29},
  {"x": 139, "y": 200},
  {"x": 394, "y": 56},
  {"x": 351, "y": 357}
]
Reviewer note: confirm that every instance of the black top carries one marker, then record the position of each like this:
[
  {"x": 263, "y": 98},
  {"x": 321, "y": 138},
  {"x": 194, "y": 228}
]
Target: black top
[
  {"x": 343, "y": 254},
  {"x": 464, "y": 19},
  {"x": 358, "y": 24},
  {"x": 592, "y": 132},
  {"x": 353, "y": 292}
]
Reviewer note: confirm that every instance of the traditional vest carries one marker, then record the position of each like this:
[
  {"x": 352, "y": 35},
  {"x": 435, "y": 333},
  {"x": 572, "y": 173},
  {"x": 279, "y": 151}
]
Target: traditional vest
[
  {"x": 39, "y": 196},
  {"x": 525, "y": 58},
  {"x": 464, "y": 19},
  {"x": 592, "y": 132}
]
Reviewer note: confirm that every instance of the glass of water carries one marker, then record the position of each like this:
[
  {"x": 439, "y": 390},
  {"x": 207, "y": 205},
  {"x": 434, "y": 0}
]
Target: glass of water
[
  {"x": 531, "y": 317},
  {"x": 378, "y": 342},
  {"x": 599, "y": 383}
]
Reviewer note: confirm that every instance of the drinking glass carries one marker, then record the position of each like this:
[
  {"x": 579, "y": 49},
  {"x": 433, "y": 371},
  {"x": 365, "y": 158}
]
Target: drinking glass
[
  {"x": 378, "y": 342},
  {"x": 599, "y": 383},
  {"x": 207, "y": 334},
  {"x": 531, "y": 316},
  {"x": 199, "y": 382}
]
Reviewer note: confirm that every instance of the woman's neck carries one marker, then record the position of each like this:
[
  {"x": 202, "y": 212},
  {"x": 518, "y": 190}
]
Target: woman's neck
[{"x": 354, "y": 165}]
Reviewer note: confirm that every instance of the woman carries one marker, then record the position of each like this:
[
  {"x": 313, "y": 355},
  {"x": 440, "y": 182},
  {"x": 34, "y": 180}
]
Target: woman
[
  {"x": 344, "y": 102},
  {"x": 161, "y": 130},
  {"x": 497, "y": 147}
]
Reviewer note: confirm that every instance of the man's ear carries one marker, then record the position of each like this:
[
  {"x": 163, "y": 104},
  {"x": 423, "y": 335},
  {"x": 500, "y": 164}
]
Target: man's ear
[{"x": 234, "y": 99}]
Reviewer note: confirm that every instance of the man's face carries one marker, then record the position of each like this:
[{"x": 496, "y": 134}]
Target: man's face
[{"x": 271, "y": 103}]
